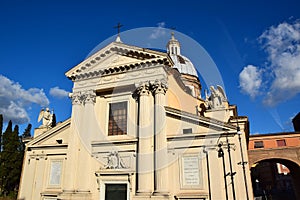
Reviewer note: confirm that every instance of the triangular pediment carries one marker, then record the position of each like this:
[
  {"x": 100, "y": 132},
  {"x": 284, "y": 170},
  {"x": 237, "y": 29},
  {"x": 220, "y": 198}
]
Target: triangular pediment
[
  {"x": 51, "y": 136},
  {"x": 117, "y": 57}
]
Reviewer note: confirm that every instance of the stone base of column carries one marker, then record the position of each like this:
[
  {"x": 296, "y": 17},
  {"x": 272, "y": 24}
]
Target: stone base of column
[
  {"x": 68, "y": 190},
  {"x": 75, "y": 195},
  {"x": 153, "y": 197},
  {"x": 144, "y": 193},
  {"x": 161, "y": 193},
  {"x": 83, "y": 191}
]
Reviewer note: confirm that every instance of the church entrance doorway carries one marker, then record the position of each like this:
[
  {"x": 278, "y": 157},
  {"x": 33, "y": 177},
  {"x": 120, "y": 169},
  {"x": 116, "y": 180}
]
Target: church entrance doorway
[{"x": 115, "y": 191}]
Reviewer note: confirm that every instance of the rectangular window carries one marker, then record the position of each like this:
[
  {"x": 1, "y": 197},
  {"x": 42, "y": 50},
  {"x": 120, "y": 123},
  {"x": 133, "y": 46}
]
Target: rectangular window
[
  {"x": 259, "y": 144},
  {"x": 281, "y": 143},
  {"x": 187, "y": 130},
  {"x": 55, "y": 173},
  {"x": 115, "y": 191},
  {"x": 117, "y": 124}
]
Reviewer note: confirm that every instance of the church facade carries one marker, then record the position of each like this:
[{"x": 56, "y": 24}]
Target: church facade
[{"x": 139, "y": 129}]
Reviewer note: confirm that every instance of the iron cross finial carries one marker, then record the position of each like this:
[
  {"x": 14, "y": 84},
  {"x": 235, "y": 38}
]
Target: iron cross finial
[{"x": 119, "y": 25}]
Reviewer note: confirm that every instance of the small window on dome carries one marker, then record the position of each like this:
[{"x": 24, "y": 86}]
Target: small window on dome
[{"x": 181, "y": 60}]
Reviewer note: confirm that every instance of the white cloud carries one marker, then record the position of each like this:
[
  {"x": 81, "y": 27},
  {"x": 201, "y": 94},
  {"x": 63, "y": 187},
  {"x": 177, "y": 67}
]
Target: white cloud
[
  {"x": 14, "y": 100},
  {"x": 250, "y": 80},
  {"x": 59, "y": 93},
  {"x": 159, "y": 31},
  {"x": 282, "y": 45}
]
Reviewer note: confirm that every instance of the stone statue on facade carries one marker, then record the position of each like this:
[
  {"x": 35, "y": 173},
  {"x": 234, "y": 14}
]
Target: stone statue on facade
[
  {"x": 46, "y": 116},
  {"x": 216, "y": 98}
]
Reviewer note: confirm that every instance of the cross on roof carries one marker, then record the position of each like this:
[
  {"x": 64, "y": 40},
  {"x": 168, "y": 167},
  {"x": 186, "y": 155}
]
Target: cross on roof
[{"x": 118, "y": 27}]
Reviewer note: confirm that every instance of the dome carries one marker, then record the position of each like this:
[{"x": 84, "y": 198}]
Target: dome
[{"x": 184, "y": 65}]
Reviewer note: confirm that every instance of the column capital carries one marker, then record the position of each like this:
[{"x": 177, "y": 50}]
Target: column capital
[
  {"x": 76, "y": 98},
  {"x": 160, "y": 87},
  {"x": 143, "y": 89},
  {"x": 90, "y": 97}
]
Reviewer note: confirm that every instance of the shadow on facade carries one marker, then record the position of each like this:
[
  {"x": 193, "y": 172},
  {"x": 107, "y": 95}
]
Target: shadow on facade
[{"x": 276, "y": 179}]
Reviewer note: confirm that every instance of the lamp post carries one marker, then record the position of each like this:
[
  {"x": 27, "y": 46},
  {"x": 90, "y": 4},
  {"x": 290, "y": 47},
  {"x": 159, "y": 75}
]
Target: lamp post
[
  {"x": 243, "y": 163},
  {"x": 231, "y": 172},
  {"x": 208, "y": 173},
  {"x": 221, "y": 155}
]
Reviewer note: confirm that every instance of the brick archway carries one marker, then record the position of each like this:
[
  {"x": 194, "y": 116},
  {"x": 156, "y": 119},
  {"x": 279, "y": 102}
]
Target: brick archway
[
  {"x": 286, "y": 156},
  {"x": 287, "y": 153}
]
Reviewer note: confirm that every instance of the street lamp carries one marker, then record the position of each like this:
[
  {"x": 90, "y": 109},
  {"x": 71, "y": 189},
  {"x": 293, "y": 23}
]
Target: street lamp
[
  {"x": 208, "y": 174},
  {"x": 231, "y": 172},
  {"x": 243, "y": 163},
  {"x": 221, "y": 155}
]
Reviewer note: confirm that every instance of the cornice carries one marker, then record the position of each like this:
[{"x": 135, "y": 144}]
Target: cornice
[
  {"x": 146, "y": 57},
  {"x": 119, "y": 69},
  {"x": 213, "y": 123}
]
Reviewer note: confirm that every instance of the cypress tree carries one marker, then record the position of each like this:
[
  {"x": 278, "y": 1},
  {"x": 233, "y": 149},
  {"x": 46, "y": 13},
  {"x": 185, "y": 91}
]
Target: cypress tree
[
  {"x": 15, "y": 163},
  {"x": 53, "y": 124},
  {"x": 11, "y": 161},
  {"x": 5, "y": 157},
  {"x": 27, "y": 131},
  {"x": 1, "y": 127}
]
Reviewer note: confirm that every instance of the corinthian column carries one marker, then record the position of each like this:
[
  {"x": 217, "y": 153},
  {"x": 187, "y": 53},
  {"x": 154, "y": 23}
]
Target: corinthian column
[
  {"x": 86, "y": 132},
  {"x": 161, "y": 151},
  {"x": 145, "y": 142}
]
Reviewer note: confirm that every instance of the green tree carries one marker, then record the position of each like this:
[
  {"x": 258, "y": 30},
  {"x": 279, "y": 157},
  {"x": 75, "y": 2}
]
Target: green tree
[
  {"x": 1, "y": 127},
  {"x": 5, "y": 158},
  {"x": 27, "y": 132},
  {"x": 53, "y": 124},
  {"x": 11, "y": 161}
]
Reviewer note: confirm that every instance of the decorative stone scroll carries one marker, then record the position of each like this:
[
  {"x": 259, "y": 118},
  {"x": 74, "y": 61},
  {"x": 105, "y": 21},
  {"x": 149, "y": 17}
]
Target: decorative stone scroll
[
  {"x": 160, "y": 87},
  {"x": 83, "y": 97},
  {"x": 143, "y": 89}
]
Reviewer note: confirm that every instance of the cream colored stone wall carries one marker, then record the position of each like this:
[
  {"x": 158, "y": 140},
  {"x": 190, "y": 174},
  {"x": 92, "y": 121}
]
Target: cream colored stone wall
[{"x": 155, "y": 159}]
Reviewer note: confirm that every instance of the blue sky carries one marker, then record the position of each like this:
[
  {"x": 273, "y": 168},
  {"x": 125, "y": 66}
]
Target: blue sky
[{"x": 255, "y": 46}]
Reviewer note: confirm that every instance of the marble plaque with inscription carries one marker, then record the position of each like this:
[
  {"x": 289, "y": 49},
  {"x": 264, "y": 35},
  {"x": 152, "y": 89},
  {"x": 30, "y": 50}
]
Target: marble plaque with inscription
[
  {"x": 55, "y": 172},
  {"x": 190, "y": 171}
]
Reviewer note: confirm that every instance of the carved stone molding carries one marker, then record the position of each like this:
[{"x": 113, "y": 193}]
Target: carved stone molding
[
  {"x": 83, "y": 97},
  {"x": 114, "y": 161},
  {"x": 38, "y": 157}
]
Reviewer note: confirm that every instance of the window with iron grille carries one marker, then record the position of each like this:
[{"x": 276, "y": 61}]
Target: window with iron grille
[
  {"x": 259, "y": 144},
  {"x": 281, "y": 143},
  {"x": 117, "y": 124}
]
